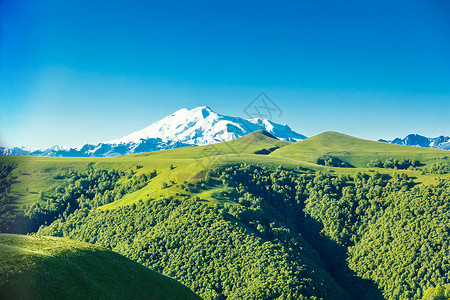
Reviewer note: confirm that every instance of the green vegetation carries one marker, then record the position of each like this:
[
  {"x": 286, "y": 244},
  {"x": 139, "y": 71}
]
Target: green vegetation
[
  {"x": 283, "y": 218},
  {"x": 7, "y": 216},
  {"x": 438, "y": 168},
  {"x": 354, "y": 151},
  {"x": 437, "y": 293},
  {"x": 254, "y": 218},
  {"x": 204, "y": 248},
  {"x": 331, "y": 161},
  {"x": 393, "y": 163},
  {"x": 55, "y": 268}
]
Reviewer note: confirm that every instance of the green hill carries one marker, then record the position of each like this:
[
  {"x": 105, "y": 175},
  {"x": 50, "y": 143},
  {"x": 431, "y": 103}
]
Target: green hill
[
  {"x": 355, "y": 151},
  {"x": 250, "y": 144},
  {"x": 33, "y": 175},
  {"x": 57, "y": 268}
]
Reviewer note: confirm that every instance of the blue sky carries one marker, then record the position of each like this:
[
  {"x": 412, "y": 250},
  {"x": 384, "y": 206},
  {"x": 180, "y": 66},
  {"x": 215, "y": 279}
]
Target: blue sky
[{"x": 75, "y": 72}]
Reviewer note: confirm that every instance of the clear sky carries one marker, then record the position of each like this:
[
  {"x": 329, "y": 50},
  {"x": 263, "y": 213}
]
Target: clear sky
[{"x": 85, "y": 71}]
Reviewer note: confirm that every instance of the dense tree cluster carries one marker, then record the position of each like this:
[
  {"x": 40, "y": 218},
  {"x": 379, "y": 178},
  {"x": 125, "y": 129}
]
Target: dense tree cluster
[
  {"x": 204, "y": 248},
  {"x": 438, "y": 168},
  {"x": 89, "y": 189},
  {"x": 437, "y": 293},
  {"x": 8, "y": 217},
  {"x": 332, "y": 161},
  {"x": 406, "y": 247},
  {"x": 393, "y": 163},
  {"x": 397, "y": 234}
]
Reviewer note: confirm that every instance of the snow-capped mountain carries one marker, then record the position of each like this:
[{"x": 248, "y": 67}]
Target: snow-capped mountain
[
  {"x": 198, "y": 126},
  {"x": 440, "y": 142},
  {"x": 202, "y": 126}
]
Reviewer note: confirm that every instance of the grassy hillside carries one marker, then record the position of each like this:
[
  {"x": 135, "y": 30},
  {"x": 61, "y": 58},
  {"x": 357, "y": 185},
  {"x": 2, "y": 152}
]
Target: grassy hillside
[
  {"x": 35, "y": 174},
  {"x": 355, "y": 151},
  {"x": 249, "y": 144},
  {"x": 57, "y": 268},
  {"x": 253, "y": 218}
]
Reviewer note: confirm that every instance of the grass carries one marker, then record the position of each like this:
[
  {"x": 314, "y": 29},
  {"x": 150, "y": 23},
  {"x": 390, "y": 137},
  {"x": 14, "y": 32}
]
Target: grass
[
  {"x": 55, "y": 268},
  {"x": 35, "y": 174},
  {"x": 355, "y": 151}
]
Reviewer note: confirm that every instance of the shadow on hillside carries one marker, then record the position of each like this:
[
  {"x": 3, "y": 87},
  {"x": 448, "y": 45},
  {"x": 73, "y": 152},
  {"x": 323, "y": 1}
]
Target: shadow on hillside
[
  {"x": 335, "y": 258},
  {"x": 266, "y": 151},
  {"x": 14, "y": 180},
  {"x": 13, "y": 199}
]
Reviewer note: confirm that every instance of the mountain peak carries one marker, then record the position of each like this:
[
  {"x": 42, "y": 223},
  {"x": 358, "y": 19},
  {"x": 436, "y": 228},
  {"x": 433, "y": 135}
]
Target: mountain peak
[
  {"x": 203, "y": 108},
  {"x": 440, "y": 142},
  {"x": 199, "y": 109},
  {"x": 198, "y": 126},
  {"x": 205, "y": 111},
  {"x": 201, "y": 126}
]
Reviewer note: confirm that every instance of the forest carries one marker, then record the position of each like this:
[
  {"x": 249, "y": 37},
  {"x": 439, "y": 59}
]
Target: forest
[{"x": 271, "y": 234}]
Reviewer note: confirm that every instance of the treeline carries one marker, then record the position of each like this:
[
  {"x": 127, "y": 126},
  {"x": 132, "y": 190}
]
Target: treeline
[
  {"x": 438, "y": 168},
  {"x": 332, "y": 161},
  {"x": 89, "y": 189},
  {"x": 393, "y": 163},
  {"x": 8, "y": 220}
]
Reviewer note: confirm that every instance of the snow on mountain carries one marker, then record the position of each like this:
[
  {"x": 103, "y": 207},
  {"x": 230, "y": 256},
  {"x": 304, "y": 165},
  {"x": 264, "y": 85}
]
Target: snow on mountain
[
  {"x": 198, "y": 126},
  {"x": 202, "y": 126},
  {"x": 440, "y": 142}
]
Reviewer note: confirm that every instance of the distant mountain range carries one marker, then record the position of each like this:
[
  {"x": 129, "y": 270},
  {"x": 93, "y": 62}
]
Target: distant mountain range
[
  {"x": 198, "y": 126},
  {"x": 195, "y": 127},
  {"x": 440, "y": 142}
]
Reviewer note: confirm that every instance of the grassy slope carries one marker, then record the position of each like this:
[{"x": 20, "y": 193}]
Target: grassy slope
[
  {"x": 37, "y": 173},
  {"x": 248, "y": 144},
  {"x": 50, "y": 268},
  {"x": 357, "y": 152}
]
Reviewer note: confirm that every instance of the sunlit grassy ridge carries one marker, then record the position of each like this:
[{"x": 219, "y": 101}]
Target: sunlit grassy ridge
[
  {"x": 355, "y": 151},
  {"x": 35, "y": 174},
  {"x": 56, "y": 268}
]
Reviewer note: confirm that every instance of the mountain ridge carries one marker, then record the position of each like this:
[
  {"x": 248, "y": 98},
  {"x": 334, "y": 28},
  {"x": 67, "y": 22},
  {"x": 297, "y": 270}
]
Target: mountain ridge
[
  {"x": 440, "y": 142},
  {"x": 198, "y": 126}
]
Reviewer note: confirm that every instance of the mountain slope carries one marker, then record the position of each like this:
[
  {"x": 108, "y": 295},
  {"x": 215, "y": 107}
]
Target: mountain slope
[
  {"x": 354, "y": 151},
  {"x": 258, "y": 142},
  {"x": 202, "y": 126},
  {"x": 198, "y": 126},
  {"x": 37, "y": 174},
  {"x": 50, "y": 268},
  {"x": 440, "y": 142}
]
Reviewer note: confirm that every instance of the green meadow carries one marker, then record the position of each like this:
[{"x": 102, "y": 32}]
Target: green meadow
[
  {"x": 36, "y": 174},
  {"x": 55, "y": 268}
]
